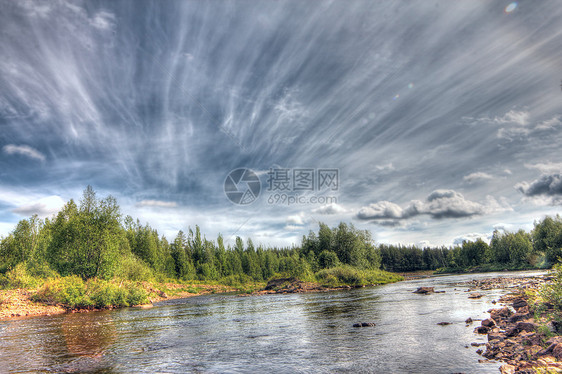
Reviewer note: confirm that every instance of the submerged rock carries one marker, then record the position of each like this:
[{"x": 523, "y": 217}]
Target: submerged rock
[
  {"x": 475, "y": 295},
  {"x": 425, "y": 290},
  {"x": 364, "y": 324}
]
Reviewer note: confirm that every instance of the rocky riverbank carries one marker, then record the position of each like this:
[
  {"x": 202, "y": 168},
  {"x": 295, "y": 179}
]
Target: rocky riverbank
[{"x": 525, "y": 342}]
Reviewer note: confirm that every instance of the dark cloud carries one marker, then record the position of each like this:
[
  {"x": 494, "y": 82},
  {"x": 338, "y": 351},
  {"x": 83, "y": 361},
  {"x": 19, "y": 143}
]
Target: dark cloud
[
  {"x": 549, "y": 185},
  {"x": 440, "y": 204}
]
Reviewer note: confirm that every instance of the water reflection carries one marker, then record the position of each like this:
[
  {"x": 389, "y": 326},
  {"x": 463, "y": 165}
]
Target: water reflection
[{"x": 272, "y": 333}]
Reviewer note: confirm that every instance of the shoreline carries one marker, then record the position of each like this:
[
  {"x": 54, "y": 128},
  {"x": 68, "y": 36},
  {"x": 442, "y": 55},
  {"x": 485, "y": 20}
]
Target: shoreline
[
  {"x": 16, "y": 304},
  {"x": 516, "y": 338}
]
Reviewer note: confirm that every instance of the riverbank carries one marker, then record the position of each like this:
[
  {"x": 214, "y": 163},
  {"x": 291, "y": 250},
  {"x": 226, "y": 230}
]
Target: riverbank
[
  {"x": 20, "y": 303},
  {"x": 518, "y": 333}
]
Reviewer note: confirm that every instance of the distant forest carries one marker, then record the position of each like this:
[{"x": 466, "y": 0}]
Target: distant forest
[{"x": 92, "y": 239}]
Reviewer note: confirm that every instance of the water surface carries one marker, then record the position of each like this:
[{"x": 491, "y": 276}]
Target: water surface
[{"x": 295, "y": 333}]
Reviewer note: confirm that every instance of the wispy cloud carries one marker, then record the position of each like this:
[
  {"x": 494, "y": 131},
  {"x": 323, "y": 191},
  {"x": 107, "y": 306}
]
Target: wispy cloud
[
  {"x": 157, "y": 204},
  {"x": 24, "y": 150},
  {"x": 477, "y": 177}
]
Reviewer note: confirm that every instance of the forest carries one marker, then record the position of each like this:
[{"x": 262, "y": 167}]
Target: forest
[{"x": 92, "y": 240}]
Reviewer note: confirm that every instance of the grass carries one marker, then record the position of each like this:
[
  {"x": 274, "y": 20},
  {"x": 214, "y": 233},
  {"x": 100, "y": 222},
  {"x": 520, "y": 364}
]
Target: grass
[
  {"x": 73, "y": 292},
  {"x": 350, "y": 276}
]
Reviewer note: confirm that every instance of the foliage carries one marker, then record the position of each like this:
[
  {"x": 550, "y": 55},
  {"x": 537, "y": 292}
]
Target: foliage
[
  {"x": 348, "y": 275},
  {"x": 73, "y": 292},
  {"x": 91, "y": 240}
]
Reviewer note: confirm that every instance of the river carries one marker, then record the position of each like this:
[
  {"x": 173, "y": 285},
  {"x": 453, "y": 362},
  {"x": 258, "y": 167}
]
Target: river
[{"x": 294, "y": 333}]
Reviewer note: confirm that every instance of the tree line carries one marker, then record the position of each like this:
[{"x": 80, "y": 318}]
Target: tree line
[{"x": 93, "y": 240}]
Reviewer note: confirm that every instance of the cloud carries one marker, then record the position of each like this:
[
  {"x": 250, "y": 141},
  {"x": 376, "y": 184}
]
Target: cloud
[
  {"x": 330, "y": 209},
  {"x": 549, "y": 185},
  {"x": 385, "y": 167},
  {"x": 440, "y": 204},
  {"x": 157, "y": 203},
  {"x": 476, "y": 177},
  {"x": 471, "y": 237},
  {"x": 43, "y": 207},
  {"x": 380, "y": 210},
  {"x": 546, "y": 167},
  {"x": 23, "y": 150},
  {"x": 520, "y": 118},
  {"x": 297, "y": 219}
]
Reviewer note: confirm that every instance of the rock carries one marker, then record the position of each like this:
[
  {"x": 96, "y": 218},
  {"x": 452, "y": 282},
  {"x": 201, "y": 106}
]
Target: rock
[
  {"x": 519, "y": 303},
  {"x": 496, "y": 336},
  {"x": 479, "y": 351},
  {"x": 557, "y": 351},
  {"x": 444, "y": 323},
  {"x": 364, "y": 324},
  {"x": 475, "y": 295},
  {"x": 481, "y": 330},
  {"x": 278, "y": 283},
  {"x": 554, "y": 339},
  {"x": 518, "y": 317},
  {"x": 531, "y": 338},
  {"x": 162, "y": 294},
  {"x": 498, "y": 314},
  {"x": 468, "y": 320},
  {"x": 425, "y": 290},
  {"x": 488, "y": 323},
  {"x": 507, "y": 369},
  {"x": 526, "y": 326}
]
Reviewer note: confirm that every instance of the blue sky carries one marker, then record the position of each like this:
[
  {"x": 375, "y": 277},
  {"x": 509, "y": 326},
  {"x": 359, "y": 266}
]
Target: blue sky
[{"x": 443, "y": 119}]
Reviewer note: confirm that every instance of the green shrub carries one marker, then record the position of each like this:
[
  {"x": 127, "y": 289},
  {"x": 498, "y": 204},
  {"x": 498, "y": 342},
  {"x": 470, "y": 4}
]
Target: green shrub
[
  {"x": 236, "y": 280},
  {"x": 68, "y": 291},
  {"x": 134, "y": 269},
  {"x": 347, "y": 275},
  {"x": 137, "y": 295},
  {"x": 552, "y": 292},
  {"x": 19, "y": 277}
]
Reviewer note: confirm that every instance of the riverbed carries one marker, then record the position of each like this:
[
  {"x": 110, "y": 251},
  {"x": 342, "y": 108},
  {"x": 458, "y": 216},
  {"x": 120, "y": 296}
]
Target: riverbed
[{"x": 293, "y": 333}]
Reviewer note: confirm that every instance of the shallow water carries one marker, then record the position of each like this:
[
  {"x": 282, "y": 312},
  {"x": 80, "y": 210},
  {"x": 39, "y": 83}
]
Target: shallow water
[{"x": 295, "y": 333}]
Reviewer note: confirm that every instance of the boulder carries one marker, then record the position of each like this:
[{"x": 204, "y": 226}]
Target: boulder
[
  {"x": 444, "y": 323},
  {"x": 496, "y": 336},
  {"x": 425, "y": 290},
  {"x": 526, "y": 326},
  {"x": 498, "y": 314},
  {"x": 519, "y": 317},
  {"x": 481, "y": 330},
  {"x": 507, "y": 369},
  {"x": 488, "y": 322},
  {"x": 519, "y": 303},
  {"x": 468, "y": 320},
  {"x": 557, "y": 351}
]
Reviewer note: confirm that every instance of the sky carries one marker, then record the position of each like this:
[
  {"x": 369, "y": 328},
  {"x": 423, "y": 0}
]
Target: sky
[{"x": 424, "y": 122}]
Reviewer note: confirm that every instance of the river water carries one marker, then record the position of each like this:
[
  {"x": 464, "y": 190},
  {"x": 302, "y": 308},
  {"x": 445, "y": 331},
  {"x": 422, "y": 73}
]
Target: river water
[{"x": 295, "y": 333}]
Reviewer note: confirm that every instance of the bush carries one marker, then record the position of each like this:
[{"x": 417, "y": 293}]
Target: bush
[
  {"x": 347, "y": 275},
  {"x": 69, "y": 291},
  {"x": 72, "y": 292},
  {"x": 236, "y": 280},
  {"x": 134, "y": 269},
  {"x": 552, "y": 292},
  {"x": 19, "y": 277}
]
